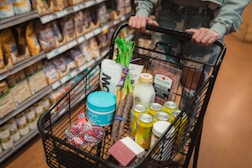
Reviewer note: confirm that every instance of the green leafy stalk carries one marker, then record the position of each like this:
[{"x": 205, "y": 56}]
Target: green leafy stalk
[{"x": 123, "y": 56}]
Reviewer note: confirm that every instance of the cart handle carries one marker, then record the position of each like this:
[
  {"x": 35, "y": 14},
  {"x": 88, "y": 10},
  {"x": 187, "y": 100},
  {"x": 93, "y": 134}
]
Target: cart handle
[{"x": 163, "y": 30}]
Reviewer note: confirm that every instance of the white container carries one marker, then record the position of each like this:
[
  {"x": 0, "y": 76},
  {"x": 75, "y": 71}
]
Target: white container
[
  {"x": 144, "y": 92},
  {"x": 158, "y": 129}
]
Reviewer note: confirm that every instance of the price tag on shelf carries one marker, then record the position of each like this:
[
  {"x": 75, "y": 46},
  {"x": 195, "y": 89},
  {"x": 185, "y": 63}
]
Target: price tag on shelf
[
  {"x": 97, "y": 31},
  {"x": 80, "y": 39},
  {"x": 73, "y": 73},
  {"x": 52, "y": 54},
  {"x": 89, "y": 3},
  {"x": 83, "y": 67},
  {"x": 62, "y": 13},
  {"x": 115, "y": 22},
  {"x": 65, "y": 79},
  {"x": 72, "y": 44},
  {"x": 78, "y": 7},
  {"x": 89, "y": 35},
  {"x": 62, "y": 49},
  {"x": 99, "y": 1},
  {"x": 55, "y": 85},
  {"x": 47, "y": 18}
]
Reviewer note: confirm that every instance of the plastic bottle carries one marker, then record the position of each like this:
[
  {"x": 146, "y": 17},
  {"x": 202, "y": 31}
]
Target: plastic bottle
[{"x": 144, "y": 92}]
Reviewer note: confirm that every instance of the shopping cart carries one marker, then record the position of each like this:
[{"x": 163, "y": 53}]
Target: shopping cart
[{"x": 177, "y": 151}]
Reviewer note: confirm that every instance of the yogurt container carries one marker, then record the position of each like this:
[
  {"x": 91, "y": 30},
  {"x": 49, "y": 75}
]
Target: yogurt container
[{"x": 101, "y": 106}]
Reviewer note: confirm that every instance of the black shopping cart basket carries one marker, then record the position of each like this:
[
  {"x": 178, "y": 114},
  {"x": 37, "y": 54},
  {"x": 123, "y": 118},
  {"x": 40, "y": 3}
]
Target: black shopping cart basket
[{"x": 173, "y": 152}]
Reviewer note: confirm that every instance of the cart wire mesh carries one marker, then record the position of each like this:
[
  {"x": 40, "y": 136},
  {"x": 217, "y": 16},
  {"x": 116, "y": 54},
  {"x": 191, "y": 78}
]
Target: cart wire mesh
[{"x": 168, "y": 151}]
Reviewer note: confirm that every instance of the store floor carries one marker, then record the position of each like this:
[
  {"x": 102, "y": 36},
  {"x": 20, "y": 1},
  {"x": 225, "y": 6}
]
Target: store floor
[{"x": 227, "y": 131}]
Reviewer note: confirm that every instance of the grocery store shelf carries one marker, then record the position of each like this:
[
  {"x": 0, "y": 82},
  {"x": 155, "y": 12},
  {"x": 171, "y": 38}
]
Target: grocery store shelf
[
  {"x": 17, "y": 19},
  {"x": 79, "y": 40},
  {"x": 69, "y": 10},
  {"x": 18, "y": 144},
  {"x": 25, "y": 63},
  {"x": 28, "y": 102}
]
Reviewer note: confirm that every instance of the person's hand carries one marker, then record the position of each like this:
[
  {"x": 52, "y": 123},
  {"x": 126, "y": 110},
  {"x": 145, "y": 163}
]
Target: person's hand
[
  {"x": 203, "y": 35},
  {"x": 139, "y": 22}
]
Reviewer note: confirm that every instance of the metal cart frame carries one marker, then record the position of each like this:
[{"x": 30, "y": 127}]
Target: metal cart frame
[{"x": 186, "y": 140}]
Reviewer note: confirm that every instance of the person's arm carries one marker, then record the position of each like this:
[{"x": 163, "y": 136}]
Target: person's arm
[
  {"x": 228, "y": 19},
  {"x": 143, "y": 10}
]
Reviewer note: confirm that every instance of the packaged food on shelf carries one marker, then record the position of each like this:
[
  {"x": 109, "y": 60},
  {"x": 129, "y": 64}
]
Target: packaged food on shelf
[
  {"x": 38, "y": 108},
  {"x": 114, "y": 15},
  {"x": 23, "y": 129},
  {"x": 19, "y": 87},
  {"x": 58, "y": 5},
  {"x": 21, "y": 6},
  {"x": 46, "y": 103},
  {"x": 12, "y": 124},
  {"x": 30, "y": 113},
  {"x": 77, "y": 56},
  {"x": 9, "y": 45},
  {"x": 78, "y": 23},
  {"x": 102, "y": 13},
  {"x": 87, "y": 20},
  {"x": 35, "y": 75},
  {"x": 61, "y": 66},
  {"x": 32, "y": 123},
  {"x": 15, "y": 135},
  {"x": 6, "y": 101},
  {"x": 6, "y": 9},
  {"x": 120, "y": 6},
  {"x": 50, "y": 71},
  {"x": 127, "y": 6},
  {"x": 23, "y": 51},
  {"x": 67, "y": 27},
  {"x": 32, "y": 40},
  {"x": 6, "y": 143},
  {"x": 21, "y": 119},
  {"x": 74, "y": 2},
  {"x": 42, "y": 6},
  {"x": 57, "y": 33},
  {"x": 69, "y": 62},
  {"x": 45, "y": 36},
  {"x": 4, "y": 131}
]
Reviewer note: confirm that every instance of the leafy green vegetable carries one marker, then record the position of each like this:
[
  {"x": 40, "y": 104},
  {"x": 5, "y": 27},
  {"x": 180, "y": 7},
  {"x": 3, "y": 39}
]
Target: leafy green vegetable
[{"x": 123, "y": 56}]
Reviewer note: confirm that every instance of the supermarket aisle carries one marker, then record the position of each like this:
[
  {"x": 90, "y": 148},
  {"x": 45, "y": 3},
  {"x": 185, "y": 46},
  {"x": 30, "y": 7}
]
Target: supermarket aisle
[
  {"x": 228, "y": 127},
  {"x": 227, "y": 130}
]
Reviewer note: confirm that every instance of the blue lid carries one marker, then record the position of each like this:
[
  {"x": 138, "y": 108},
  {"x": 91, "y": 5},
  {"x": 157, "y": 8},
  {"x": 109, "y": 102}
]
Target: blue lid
[{"x": 101, "y": 101}]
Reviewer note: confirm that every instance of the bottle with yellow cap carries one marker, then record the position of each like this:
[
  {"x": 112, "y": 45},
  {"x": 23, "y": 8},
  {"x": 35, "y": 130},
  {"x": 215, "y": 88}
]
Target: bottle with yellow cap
[{"x": 144, "y": 92}]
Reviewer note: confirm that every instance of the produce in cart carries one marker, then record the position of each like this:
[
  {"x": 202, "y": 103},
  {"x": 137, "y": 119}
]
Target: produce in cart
[{"x": 124, "y": 96}]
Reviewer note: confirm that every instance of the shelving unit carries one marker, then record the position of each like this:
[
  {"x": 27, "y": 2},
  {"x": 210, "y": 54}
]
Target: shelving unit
[{"x": 15, "y": 20}]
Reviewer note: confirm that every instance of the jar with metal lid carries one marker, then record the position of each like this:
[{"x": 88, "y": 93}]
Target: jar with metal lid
[
  {"x": 30, "y": 113},
  {"x": 160, "y": 128},
  {"x": 38, "y": 108},
  {"x": 32, "y": 123},
  {"x": 21, "y": 119},
  {"x": 15, "y": 135},
  {"x": 6, "y": 143},
  {"x": 23, "y": 129},
  {"x": 135, "y": 112},
  {"x": 12, "y": 125},
  {"x": 46, "y": 103},
  {"x": 144, "y": 92},
  {"x": 170, "y": 106},
  {"x": 143, "y": 130},
  {"x": 154, "y": 108},
  {"x": 4, "y": 131}
]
